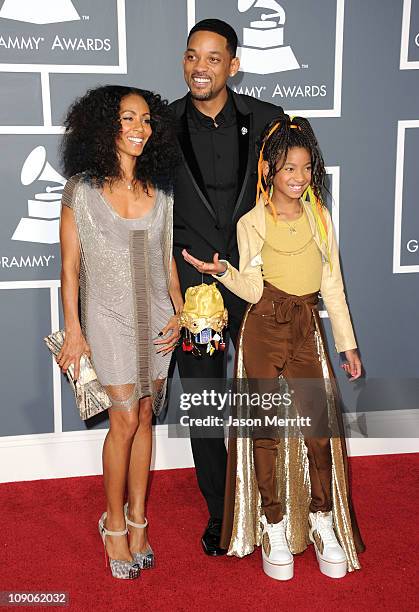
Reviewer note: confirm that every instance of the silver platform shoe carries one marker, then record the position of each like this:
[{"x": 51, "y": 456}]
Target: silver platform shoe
[
  {"x": 126, "y": 570},
  {"x": 146, "y": 559}
]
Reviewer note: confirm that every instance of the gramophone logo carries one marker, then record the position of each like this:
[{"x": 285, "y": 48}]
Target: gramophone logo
[
  {"x": 43, "y": 222},
  {"x": 290, "y": 50},
  {"x": 263, "y": 50},
  {"x": 39, "y": 11}
]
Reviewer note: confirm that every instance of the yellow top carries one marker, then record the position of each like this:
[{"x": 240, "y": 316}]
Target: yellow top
[
  {"x": 291, "y": 259},
  {"x": 246, "y": 281}
]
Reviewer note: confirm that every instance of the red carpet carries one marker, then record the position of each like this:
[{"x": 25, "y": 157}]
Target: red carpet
[{"x": 49, "y": 541}]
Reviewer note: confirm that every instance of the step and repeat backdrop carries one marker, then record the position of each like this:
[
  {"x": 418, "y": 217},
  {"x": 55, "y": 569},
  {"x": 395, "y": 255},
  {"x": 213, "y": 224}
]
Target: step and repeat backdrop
[{"x": 350, "y": 66}]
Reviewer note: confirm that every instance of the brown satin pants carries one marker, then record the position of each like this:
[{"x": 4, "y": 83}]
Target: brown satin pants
[{"x": 279, "y": 339}]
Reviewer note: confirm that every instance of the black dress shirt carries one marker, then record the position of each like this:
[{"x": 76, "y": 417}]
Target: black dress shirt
[{"x": 216, "y": 148}]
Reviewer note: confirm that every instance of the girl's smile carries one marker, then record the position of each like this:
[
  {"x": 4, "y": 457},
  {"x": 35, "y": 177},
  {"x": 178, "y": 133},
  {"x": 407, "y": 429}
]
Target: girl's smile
[{"x": 293, "y": 178}]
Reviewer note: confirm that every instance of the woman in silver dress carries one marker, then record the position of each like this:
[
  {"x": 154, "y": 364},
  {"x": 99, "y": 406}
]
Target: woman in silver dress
[{"x": 120, "y": 155}]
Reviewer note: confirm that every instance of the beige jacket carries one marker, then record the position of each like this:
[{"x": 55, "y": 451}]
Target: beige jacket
[{"x": 247, "y": 282}]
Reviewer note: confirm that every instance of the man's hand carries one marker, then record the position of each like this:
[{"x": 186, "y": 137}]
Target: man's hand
[{"x": 214, "y": 267}]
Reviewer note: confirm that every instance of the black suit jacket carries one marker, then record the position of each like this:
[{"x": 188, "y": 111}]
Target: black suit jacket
[{"x": 195, "y": 225}]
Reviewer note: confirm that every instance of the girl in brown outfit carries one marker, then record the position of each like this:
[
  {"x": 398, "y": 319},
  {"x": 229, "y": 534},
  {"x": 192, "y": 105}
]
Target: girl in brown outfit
[{"x": 283, "y": 492}]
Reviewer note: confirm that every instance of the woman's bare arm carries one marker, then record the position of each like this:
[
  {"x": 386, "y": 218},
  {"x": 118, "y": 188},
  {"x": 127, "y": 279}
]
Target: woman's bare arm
[
  {"x": 74, "y": 345},
  {"x": 166, "y": 345},
  {"x": 175, "y": 290}
]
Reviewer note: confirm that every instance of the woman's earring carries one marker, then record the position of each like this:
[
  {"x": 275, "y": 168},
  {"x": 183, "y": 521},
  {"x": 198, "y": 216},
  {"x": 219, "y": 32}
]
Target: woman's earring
[{"x": 271, "y": 191}]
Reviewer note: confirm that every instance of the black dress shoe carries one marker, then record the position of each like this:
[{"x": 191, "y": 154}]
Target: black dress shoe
[{"x": 211, "y": 539}]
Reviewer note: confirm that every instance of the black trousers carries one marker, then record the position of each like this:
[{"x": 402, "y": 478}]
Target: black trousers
[{"x": 209, "y": 453}]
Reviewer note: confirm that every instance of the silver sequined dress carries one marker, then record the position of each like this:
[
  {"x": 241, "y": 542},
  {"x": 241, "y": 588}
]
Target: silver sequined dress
[{"x": 124, "y": 298}]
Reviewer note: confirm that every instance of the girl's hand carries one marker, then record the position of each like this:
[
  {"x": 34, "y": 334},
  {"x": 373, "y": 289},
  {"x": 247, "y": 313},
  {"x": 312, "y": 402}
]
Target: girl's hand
[
  {"x": 74, "y": 347},
  {"x": 215, "y": 267},
  {"x": 169, "y": 344},
  {"x": 353, "y": 365}
]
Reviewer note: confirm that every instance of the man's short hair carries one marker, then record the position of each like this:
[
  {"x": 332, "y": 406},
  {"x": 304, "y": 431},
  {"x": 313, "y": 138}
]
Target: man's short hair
[{"x": 219, "y": 27}]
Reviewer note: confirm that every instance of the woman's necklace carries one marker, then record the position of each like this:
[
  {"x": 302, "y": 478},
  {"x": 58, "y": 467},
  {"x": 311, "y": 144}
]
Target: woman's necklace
[{"x": 128, "y": 183}]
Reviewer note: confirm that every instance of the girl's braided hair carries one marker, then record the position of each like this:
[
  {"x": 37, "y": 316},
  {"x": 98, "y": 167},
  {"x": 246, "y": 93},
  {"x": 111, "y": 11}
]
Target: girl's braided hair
[{"x": 277, "y": 138}]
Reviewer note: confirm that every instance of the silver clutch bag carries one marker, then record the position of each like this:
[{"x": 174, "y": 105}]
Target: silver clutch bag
[{"x": 91, "y": 397}]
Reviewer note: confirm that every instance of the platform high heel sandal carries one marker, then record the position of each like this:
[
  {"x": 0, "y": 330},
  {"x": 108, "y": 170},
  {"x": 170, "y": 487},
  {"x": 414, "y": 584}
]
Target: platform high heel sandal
[
  {"x": 127, "y": 570},
  {"x": 146, "y": 559}
]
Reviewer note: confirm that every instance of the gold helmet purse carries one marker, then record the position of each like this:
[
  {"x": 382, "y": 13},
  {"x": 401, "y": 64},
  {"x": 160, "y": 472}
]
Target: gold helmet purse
[{"x": 203, "y": 318}]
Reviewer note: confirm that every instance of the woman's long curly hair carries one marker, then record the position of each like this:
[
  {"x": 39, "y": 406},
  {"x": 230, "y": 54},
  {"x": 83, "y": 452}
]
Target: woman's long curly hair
[
  {"x": 92, "y": 126},
  {"x": 283, "y": 134}
]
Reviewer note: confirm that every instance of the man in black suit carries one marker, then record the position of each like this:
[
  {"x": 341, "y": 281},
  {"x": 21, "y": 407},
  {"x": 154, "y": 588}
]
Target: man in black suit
[{"x": 216, "y": 184}]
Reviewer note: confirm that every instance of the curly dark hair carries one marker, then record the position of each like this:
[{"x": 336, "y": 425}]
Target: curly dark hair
[
  {"x": 295, "y": 132},
  {"x": 92, "y": 126}
]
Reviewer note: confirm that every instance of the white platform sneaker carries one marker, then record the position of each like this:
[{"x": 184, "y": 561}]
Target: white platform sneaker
[
  {"x": 278, "y": 562},
  {"x": 330, "y": 556}
]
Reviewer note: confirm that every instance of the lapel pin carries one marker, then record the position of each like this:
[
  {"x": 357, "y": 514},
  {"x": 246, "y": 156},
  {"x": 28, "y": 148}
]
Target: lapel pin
[{"x": 244, "y": 131}]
